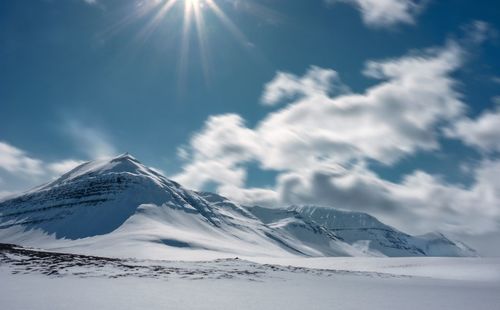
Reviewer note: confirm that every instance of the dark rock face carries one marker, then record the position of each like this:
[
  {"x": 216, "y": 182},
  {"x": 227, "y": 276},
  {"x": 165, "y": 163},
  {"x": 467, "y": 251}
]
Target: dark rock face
[{"x": 59, "y": 202}]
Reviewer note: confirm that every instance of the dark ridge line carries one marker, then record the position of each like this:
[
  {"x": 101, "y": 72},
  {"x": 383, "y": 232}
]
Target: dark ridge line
[{"x": 61, "y": 206}]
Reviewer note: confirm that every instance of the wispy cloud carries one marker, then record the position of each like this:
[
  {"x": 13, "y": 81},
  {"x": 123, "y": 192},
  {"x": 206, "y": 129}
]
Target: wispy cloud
[
  {"x": 61, "y": 167},
  {"x": 385, "y": 13},
  {"x": 22, "y": 170},
  {"x": 18, "y": 164},
  {"x": 286, "y": 86},
  {"x": 94, "y": 143},
  {"x": 482, "y": 132},
  {"x": 15, "y": 160},
  {"x": 5, "y": 194}
]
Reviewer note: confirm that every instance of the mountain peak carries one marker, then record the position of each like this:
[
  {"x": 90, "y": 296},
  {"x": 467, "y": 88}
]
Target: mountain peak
[
  {"x": 125, "y": 200},
  {"x": 124, "y": 156},
  {"x": 122, "y": 164}
]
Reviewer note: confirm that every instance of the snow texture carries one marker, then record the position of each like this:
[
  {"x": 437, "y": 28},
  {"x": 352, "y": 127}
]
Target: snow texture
[
  {"x": 34, "y": 279},
  {"x": 121, "y": 208},
  {"x": 114, "y": 234}
]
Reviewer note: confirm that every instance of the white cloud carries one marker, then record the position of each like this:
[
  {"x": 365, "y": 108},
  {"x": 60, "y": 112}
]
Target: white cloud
[
  {"x": 23, "y": 171},
  {"x": 16, "y": 161},
  {"x": 286, "y": 86},
  {"x": 397, "y": 117},
  {"x": 251, "y": 196},
  {"x": 18, "y": 164},
  {"x": 477, "y": 32},
  {"x": 482, "y": 133},
  {"x": 20, "y": 171},
  {"x": 59, "y": 168},
  {"x": 394, "y": 118},
  {"x": 217, "y": 151},
  {"x": 384, "y": 13},
  {"x": 319, "y": 143},
  {"x": 421, "y": 202},
  {"x": 94, "y": 143}
]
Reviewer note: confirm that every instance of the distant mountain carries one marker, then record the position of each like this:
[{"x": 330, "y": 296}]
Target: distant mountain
[
  {"x": 120, "y": 207},
  {"x": 360, "y": 230}
]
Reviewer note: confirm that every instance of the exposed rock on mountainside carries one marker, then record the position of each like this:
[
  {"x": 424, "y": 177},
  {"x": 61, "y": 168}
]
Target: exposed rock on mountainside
[{"x": 120, "y": 207}]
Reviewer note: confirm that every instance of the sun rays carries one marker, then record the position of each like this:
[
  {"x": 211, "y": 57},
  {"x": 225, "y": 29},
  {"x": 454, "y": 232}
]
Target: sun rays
[
  {"x": 191, "y": 28},
  {"x": 192, "y": 16}
]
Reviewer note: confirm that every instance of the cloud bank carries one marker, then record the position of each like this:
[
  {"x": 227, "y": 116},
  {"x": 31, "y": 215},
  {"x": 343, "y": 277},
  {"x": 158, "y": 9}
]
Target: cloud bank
[{"x": 323, "y": 136}]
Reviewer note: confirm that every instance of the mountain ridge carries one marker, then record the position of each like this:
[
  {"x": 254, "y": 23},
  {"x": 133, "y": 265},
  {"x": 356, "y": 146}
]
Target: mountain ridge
[{"x": 108, "y": 205}]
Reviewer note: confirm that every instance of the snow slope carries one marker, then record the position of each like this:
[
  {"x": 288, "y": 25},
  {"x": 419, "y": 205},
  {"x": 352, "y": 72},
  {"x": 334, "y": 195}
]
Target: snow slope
[
  {"x": 122, "y": 208},
  {"x": 43, "y": 280},
  {"x": 362, "y": 231}
]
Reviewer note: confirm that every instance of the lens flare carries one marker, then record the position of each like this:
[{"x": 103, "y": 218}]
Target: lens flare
[
  {"x": 193, "y": 2},
  {"x": 192, "y": 19}
]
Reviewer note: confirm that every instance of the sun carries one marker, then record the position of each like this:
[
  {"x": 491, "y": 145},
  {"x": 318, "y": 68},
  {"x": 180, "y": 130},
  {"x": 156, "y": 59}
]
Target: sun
[
  {"x": 193, "y": 22},
  {"x": 194, "y": 12},
  {"x": 193, "y": 2}
]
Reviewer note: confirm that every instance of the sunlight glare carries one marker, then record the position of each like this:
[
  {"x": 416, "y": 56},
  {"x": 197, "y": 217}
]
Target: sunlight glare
[
  {"x": 193, "y": 3},
  {"x": 193, "y": 19}
]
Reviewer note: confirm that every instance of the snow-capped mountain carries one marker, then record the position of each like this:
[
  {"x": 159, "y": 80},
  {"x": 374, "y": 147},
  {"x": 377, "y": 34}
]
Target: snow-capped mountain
[
  {"x": 361, "y": 230},
  {"x": 120, "y": 207}
]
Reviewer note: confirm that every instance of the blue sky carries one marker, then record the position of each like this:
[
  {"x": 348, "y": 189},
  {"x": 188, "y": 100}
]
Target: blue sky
[{"x": 388, "y": 107}]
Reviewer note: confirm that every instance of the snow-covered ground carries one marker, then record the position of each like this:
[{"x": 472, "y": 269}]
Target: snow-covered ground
[
  {"x": 41, "y": 280},
  {"x": 443, "y": 268},
  {"x": 157, "y": 245}
]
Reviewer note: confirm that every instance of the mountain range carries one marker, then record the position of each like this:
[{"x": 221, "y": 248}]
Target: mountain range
[{"x": 121, "y": 208}]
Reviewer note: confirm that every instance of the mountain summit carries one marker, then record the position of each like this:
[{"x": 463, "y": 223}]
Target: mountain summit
[
  {"x": 95, "y": 198},
  {"x": 120, "y": 207}
]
